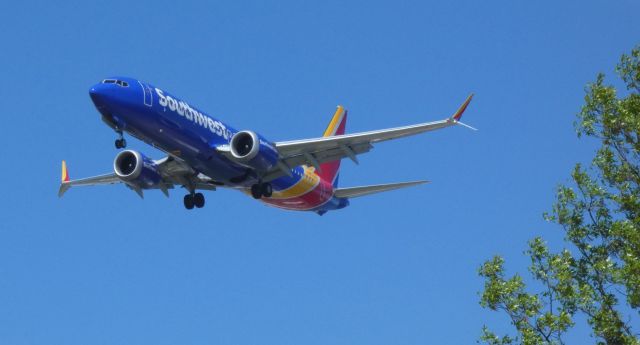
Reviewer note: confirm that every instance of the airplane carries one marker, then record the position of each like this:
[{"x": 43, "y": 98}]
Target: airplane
[{"x": 204, "y": 154}]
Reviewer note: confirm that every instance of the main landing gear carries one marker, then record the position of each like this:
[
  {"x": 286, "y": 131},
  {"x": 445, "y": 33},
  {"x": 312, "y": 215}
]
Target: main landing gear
[
  {"x": 260, "y": 190},
  {"x": 120, "y": 142},
  {"x": 193, "y": 200}
]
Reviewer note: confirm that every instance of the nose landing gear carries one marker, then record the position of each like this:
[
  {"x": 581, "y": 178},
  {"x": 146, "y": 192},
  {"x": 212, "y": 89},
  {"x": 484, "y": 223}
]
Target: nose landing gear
[{"x": 120, "y": 142}]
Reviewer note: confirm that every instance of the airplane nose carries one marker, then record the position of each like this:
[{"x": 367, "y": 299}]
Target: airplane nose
[
  {"x": 97, "y": 94},
  {"x": 100, "y": 96}
]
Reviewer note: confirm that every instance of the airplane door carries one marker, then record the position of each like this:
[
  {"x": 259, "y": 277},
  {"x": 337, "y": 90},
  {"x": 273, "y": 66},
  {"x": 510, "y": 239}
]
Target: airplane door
[{"x": 148, "y": 97}]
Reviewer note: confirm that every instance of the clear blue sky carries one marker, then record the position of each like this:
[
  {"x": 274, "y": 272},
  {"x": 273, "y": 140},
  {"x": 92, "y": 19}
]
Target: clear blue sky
[{"x": 102, "y": 266}]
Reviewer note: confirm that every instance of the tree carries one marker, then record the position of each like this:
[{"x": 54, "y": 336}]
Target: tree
[{"x": 598, "y": 274}]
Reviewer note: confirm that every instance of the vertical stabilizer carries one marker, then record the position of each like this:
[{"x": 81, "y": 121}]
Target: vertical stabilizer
[{"x": 330, "y": 170}]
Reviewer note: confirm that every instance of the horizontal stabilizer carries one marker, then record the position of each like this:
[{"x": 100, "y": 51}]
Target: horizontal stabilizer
[{"x": 354, "y": 192}]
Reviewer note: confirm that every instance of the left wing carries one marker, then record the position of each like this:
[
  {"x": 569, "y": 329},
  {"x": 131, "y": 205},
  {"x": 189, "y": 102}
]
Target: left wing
[{"x": 325, "y": 149}]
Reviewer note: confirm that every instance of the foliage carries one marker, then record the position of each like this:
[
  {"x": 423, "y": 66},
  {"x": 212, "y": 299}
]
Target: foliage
[{"x": 598, "y": 275}]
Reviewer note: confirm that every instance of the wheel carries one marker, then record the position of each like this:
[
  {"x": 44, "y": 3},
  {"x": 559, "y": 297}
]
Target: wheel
[
  {"x": 188, "y": 202},
  {"x": 267, "y": 190},
  {"x": 256, "y": 191},
  {"x": 121, "y": 143},
  {"x": 198, "y": 200}
]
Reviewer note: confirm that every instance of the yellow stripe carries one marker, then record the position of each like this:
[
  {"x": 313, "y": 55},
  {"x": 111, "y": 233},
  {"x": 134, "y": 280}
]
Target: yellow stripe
[
  {"x": 335, "y": 122},
  {"x": 65, "y": 174},
  {"x": 305, "y": 185}
]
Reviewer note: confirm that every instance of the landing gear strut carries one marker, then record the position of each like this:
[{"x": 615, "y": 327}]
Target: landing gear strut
[
  {"x": 260, "y": 190},
  {"x": 120, "y": 142},
  {"x": 193, "y": 200}
]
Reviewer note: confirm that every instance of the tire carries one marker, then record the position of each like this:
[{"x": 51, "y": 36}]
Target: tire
[
  {"x": 267, "y": 190},
  {"x": 118, "y": 144},
  {"x": 188, "y": 202},
  {"x": 256, "y": 191},
  {"x": 198, "y": 200}
]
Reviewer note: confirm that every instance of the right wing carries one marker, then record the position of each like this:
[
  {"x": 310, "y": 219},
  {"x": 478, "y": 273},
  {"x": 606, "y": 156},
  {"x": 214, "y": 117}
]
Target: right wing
[
  {"x": 89, "y": 181},
  {"x": 316, "y": 151},
  {"x": 173, "y": 171}
]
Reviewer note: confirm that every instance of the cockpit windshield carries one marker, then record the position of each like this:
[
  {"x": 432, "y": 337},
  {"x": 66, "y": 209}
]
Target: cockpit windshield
[{"x": 120, "y": 83}]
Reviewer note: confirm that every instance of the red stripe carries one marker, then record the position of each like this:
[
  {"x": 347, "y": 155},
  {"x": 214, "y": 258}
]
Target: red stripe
[{"x": 307, "y": 201}]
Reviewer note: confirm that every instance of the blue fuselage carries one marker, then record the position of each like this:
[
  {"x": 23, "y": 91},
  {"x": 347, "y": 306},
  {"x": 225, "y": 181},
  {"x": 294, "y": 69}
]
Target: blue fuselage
[{"x": 180, "y": 129}]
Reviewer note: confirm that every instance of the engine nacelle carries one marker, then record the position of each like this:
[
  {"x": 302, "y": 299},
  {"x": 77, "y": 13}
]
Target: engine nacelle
[
  {"x": 135, "y": 168},
  {"x": 250, "y": 149}
]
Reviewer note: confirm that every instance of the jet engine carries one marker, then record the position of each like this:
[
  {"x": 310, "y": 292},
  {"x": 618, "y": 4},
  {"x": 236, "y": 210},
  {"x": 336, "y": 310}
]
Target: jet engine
[
  {"x": 134, "y": 168},
  {"x": 250, "y": 149}
]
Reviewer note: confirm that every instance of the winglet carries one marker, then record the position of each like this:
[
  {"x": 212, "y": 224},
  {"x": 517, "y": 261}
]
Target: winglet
[
  {"x": 64, "y": 184},
  {"x": 65, "y": 172},
  {"x": 458, "y": 114}
]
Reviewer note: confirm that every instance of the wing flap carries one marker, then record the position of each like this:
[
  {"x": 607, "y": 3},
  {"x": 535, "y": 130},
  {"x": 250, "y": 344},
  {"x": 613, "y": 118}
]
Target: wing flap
[{"x": 329, "y": 155}]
